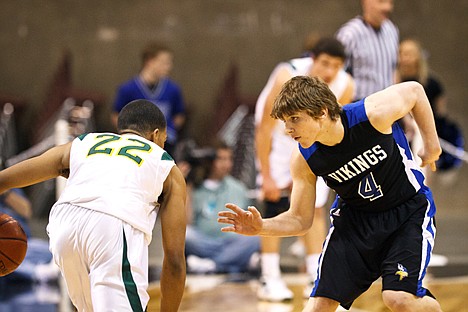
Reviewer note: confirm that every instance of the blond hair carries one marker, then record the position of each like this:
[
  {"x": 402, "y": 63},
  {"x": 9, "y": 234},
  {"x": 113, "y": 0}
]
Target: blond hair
[
  {"x": 309, "y": 94},
  {"x": 423, "y": 66}
]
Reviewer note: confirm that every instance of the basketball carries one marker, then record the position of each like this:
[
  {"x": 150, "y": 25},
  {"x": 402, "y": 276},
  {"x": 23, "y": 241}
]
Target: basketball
[{"x": 13, "y": 244}]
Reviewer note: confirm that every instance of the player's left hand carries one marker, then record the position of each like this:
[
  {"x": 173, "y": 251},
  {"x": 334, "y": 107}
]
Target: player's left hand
[
  {"x": 430, "y": 156},
  {"x": 246, "y": 222}
]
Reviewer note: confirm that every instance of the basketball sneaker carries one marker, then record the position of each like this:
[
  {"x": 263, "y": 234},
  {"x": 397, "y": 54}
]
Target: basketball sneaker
[{"x": 274, "y": 289}]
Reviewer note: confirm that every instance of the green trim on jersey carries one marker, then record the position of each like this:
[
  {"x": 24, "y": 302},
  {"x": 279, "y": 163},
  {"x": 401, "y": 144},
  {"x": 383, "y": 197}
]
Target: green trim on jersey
[
  {"x": 166, "y": 156},
  {"x": 129, "y": 283},
  {"x": 82, "y": 136}
]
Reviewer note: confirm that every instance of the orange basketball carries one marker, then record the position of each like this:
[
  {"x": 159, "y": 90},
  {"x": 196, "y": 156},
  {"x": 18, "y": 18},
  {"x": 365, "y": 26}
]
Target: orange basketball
[{"x": 13, "y": 244}]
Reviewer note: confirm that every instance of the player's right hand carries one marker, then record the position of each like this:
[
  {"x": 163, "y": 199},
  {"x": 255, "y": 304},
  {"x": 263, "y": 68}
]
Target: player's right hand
[{"x": 247, "y": 222}]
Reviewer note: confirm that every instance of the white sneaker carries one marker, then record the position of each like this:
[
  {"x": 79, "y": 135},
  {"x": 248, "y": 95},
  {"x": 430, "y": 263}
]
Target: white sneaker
[
  {"x": 200, "y": 265},
  {"x": 274, "y": 290}
]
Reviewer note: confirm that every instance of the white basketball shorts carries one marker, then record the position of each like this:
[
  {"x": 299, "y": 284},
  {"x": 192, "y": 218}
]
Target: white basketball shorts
[{"x": 103, "y": 259}]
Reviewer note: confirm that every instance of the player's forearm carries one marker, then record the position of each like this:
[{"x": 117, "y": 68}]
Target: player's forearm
[
  {"x": 424, "y": 117},
  {"x": 26, "y": 173},
  {"x": 285, "y": 224},
  {"x": 172, "y": 283}
]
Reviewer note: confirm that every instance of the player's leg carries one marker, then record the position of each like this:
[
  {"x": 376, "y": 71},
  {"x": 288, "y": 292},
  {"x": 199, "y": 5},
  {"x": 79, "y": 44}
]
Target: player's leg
[
  {"x": 408, "y": 256},
  {"x": 400, "y": 301},
  {"x": 63, "y": 230},
  {"x": 344, "y": 274},
  {"x": 118, "y": 266},
  {"x": 272, "y": 287},
  {"x": 313, "y": 241},
  {"x": 316, "y": 236},
  {"x": 321, "y": 304}
]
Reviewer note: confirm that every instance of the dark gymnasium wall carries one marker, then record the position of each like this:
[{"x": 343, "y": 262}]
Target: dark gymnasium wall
[{"x": 104, "y": 39}]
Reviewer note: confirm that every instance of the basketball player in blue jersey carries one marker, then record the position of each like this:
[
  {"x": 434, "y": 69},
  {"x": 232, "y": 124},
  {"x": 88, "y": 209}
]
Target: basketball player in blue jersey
[
  {"x": 382, "y": 221},
  {"x": 102, "y": 224}
]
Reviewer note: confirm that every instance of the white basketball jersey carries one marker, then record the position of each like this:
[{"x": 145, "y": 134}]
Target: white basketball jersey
[
  {"x": 282, "y": 144},
  {"x": 120, "y": 175}
]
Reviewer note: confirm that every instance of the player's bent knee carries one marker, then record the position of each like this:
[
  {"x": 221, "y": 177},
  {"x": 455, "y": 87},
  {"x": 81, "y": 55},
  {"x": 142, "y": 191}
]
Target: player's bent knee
[
  {"x": 398, "y": 300},
  {"x": 321, "y": 304}
]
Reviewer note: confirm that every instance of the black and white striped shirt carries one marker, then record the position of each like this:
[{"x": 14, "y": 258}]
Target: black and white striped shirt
[{"x": 372, "y": 54}]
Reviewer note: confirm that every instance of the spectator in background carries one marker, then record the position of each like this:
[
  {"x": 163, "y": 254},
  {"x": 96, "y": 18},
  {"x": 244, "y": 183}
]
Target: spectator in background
[
  {"x": 36, "y": 266},
  {"x": 153, "y": 84},
  {"x": 371, "y": 42},
  {"x": 274, "y": 149},
  {"x": 208, "y": 250},
  {"x": 413, "y": 66}
]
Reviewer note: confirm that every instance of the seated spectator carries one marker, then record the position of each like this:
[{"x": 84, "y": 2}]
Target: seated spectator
[
  {"x": 209, "y": 250},
  {"x": 37, "y": 265}
]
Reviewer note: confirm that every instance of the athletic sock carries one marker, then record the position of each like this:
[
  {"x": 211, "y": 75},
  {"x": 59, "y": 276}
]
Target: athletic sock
[{"x": 270, "y": 265}]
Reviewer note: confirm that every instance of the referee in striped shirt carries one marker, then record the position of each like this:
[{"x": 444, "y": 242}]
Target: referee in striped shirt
[{"x": 371, "y": 43}]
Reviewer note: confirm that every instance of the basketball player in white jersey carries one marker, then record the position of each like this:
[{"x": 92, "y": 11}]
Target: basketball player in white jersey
[
  {"x": 274, "y": 149},
  {"x": 101, "y": 225}
]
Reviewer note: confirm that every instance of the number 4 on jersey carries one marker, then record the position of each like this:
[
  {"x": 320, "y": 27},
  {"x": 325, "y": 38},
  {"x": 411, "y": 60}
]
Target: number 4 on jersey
[{"x": 368, "y": 189}]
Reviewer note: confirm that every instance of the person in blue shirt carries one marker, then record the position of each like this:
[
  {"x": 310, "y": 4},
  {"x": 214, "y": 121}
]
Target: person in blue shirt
[{"x": 153, "y": 84}]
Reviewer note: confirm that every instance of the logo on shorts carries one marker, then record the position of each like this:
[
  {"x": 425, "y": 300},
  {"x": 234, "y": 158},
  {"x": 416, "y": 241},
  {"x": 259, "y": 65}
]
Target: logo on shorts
[
  {"x": 402, "y": 272},
  {"x": 336, "y": 212}
]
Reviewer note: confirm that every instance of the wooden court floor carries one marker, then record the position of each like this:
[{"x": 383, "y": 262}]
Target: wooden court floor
[{"x": 212, "y": 293}]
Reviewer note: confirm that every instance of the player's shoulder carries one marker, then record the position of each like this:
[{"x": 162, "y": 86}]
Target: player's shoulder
[
  {"x": 93, "y": 135},
  {"x": 343, "y": 76},
  {"x": 300, "y": 64},
  {"x": 352, "y": 25},
  {"x": 171, "y": 84},
  {"x": 389, "y": 24},
  {"x": 356, "y": 112},
  {"x": 129, "y": 84}
]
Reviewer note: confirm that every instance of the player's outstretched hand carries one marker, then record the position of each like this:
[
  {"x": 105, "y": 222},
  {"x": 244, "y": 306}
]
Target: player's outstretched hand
[{"x": 246, "y": 222}]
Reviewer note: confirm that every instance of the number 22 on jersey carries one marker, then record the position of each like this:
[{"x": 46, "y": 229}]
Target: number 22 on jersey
[{"x": 132, "y": 150}]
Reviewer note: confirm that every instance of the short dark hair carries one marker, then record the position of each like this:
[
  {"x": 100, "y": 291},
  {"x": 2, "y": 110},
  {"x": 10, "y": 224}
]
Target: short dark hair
[
  {"x": 141, "y": 116},
  {"x": 330, "y": 46},
  {"x": 151, "y": 50}
]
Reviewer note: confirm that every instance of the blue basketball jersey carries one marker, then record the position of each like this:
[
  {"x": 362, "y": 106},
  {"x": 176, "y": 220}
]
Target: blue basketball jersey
[
  {"x": 369, "y": 170},
  {"x": 167, "y": 96}
]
